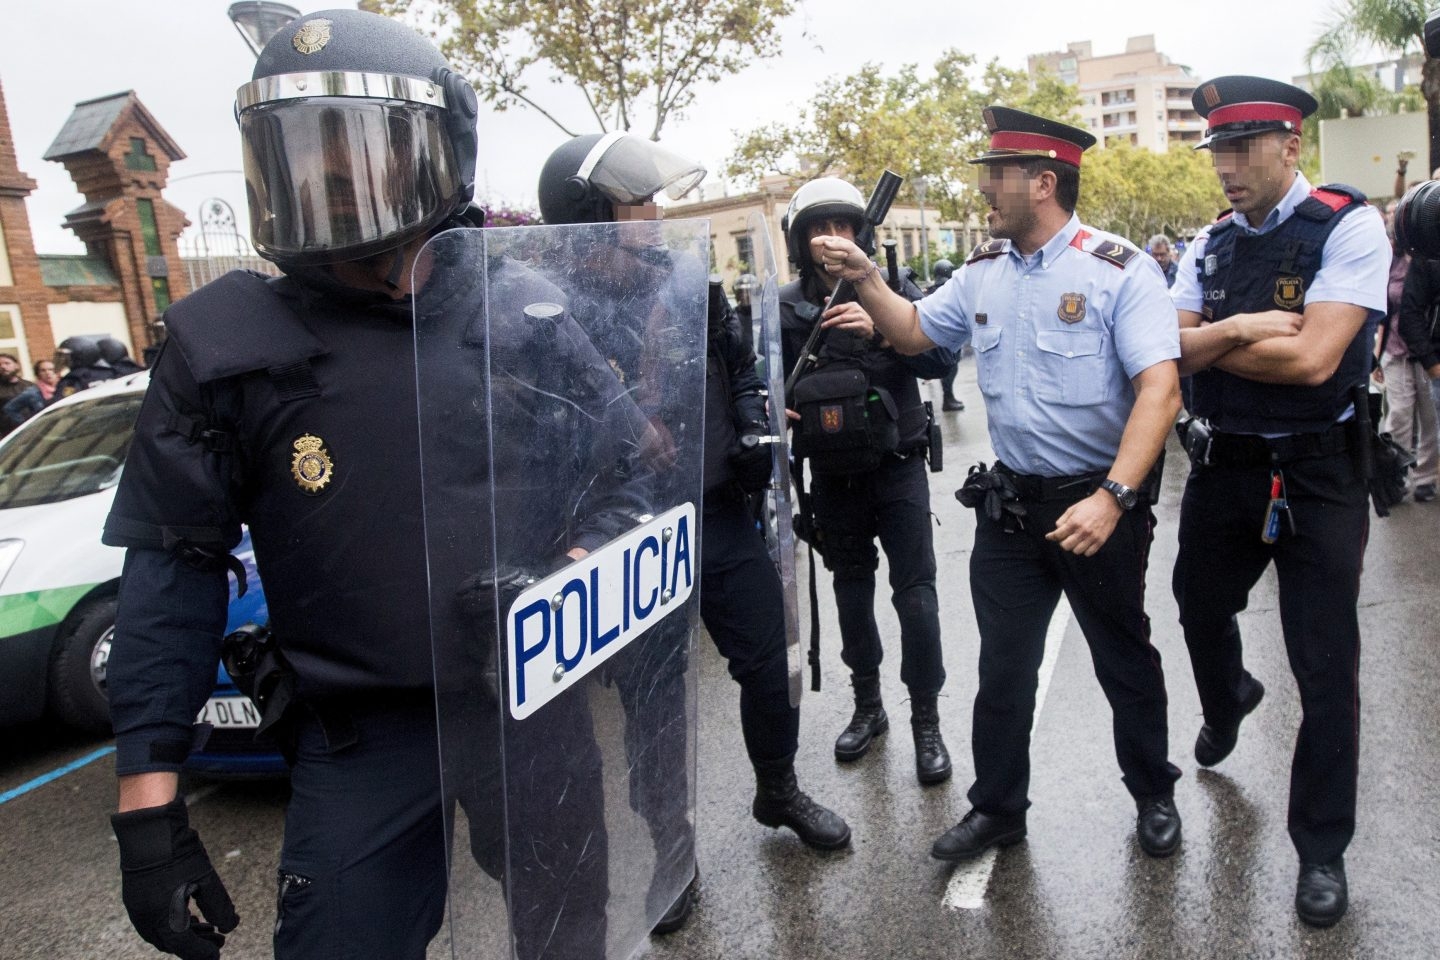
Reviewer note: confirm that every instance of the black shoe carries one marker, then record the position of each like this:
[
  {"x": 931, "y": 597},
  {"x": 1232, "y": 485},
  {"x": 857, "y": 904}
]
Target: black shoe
[
  {"x": 679, "y": 913},
  {"x": 932, "y": 760},
  {"x": 868, "y": 722},
  {"x": 978, "y": 832},
  {"x": 1321, "y": 894},
  {"x": 952, "y": 403},
  {"x": 779, "y": 802},
  {"x": 1424, "y": 492},
  {"x": 1157, "y": 827},
  {"x": 1215, "y": 743}
]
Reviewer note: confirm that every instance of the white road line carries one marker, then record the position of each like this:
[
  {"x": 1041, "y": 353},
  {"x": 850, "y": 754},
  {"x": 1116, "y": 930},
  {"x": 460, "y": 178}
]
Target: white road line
[{"x": 966, "y": 889}]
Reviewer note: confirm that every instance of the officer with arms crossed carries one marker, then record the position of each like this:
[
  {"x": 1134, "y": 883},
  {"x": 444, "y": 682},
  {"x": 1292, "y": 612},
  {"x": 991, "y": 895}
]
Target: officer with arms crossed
[
  {"x": 615, "y": 177},
  {"x": 878, "y": 490},
  {"x": 1075, "y": 346},
  {"x": 1278, "y": 302},
  {"x": 290, "y": 405}
]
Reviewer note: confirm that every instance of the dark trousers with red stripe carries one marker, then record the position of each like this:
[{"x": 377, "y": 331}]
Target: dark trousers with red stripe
[
  {"x": 1016, "y": 579},
  {"x": 1318, "y": 568}
]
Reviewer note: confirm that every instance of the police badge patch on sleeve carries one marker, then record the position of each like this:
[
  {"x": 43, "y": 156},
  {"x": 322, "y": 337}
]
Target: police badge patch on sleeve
[{"x": 311, "y": 466}]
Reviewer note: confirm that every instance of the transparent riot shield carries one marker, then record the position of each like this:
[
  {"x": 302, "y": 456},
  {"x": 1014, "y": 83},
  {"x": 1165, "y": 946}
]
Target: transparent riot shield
[
  {"x": 779, "y": 531},
  {"x": 561, "y": 381}
]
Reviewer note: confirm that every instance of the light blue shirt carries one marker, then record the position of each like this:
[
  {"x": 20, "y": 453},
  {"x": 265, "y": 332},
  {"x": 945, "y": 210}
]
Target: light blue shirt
[
  {"x": 1058, "y": 339},
  {"x": 1354, "y": 266}
]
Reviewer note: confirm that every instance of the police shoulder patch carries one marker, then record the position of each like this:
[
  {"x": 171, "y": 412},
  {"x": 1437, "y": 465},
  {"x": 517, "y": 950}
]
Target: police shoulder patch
[
  {"x": 1113, "y": 252},
  {"x": 988, "y": 250}
]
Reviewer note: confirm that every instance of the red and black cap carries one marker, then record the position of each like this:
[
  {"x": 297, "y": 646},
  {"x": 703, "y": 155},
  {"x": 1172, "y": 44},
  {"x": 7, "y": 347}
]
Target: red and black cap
[
  {"x": 1017, "y": 135},
  {"x": 1244, "y": 106}
]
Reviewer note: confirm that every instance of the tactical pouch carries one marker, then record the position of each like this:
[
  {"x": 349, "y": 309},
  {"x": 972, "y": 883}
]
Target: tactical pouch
[
  {"x": 259, "y": 671},
  {"x": 935, "y": 453},
  {"x": 1195, "y": 437},
  {"x": 846, "y": 426},
  {"x": 1391, "y": 464}
]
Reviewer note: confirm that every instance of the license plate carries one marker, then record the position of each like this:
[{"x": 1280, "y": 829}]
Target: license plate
[{"x": 230, "y": 712}]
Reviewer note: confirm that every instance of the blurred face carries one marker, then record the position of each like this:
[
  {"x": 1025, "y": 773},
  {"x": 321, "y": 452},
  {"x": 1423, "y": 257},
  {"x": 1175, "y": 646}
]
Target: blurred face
[
  {"x": 1011, "y": 194},
  {"x": 8, "y": 368},
  {"x": 833, "y": 227},
  {"x": 45, "y": 372},
  {"x": 1256, "y": 171},
  {"x": 1161, "y": 253}
]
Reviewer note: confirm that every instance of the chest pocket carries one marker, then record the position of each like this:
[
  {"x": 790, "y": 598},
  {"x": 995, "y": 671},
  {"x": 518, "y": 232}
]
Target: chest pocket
[
  {"x": 1070, "y": 368},
  {"x": 988, "y": 368}
]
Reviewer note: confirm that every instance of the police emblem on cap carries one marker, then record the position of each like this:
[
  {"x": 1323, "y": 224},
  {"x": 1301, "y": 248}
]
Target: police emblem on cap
[
  {"x": 312, "y": 36},
  {"x": 1072, "y": 307},
  {"x": 311, "y": 466},
  {"x": 1211, "y": 95},
  {"x": 1289, "y": 292},
  {"x": 832, "y": 419}
]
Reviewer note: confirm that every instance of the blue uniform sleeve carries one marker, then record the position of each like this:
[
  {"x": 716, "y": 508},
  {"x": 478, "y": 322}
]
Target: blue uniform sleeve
[
  {"x": 944, "y": 317},
  {"x": 1185, "y": 292},
  {"x": 1355, "y": 265},
  {"x": 1144, "y": 323},
  {"x": 168, "y": 629}
]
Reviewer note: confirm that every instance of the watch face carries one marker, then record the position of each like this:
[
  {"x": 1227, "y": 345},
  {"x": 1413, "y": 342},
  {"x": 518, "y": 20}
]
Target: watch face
[{"x": 1123, "y": 494}]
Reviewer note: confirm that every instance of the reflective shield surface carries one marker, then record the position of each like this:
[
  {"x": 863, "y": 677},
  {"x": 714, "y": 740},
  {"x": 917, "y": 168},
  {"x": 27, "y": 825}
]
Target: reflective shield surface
[
  {"x": 560, "y": 374},
  {"x": 779, "y": 531}
]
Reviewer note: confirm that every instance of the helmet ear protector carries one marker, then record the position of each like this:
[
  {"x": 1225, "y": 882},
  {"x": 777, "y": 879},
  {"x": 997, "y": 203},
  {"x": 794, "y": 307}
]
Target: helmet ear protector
[{"x": 462, "y": 108}]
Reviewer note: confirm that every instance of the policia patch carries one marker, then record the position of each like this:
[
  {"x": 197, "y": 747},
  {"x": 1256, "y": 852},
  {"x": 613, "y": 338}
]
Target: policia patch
[
  {"x": 311, "y": 466},
  {"x": 1289, "y": 292}
]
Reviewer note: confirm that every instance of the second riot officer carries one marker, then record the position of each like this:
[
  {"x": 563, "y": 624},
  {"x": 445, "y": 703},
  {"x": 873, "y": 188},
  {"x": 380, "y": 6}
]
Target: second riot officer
[{"x": 875, "y": 488}]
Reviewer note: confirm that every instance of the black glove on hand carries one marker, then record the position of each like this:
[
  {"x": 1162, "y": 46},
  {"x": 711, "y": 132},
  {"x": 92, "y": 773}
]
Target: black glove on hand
[
  {"x": 163, "y": 865},
  {"x": 751, "y": 459}
]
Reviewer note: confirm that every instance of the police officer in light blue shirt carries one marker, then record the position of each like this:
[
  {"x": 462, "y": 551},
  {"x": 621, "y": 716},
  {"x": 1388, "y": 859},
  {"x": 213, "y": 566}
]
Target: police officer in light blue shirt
[
  {"x": 1278, "y": 302},
  {"x": 1075, "y": 343}
]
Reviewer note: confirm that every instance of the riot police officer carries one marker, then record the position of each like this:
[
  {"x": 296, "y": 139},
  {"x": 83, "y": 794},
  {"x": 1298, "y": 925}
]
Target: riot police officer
[
  {"x": 1278, "y": 303},
  {"x": 289, "y": 405},
  {"x": 943, "y": 270},
  {"x": 114, "y": 352},
  {"x": 86, "y": 366},
  {"x": 615, "y": 177},
  {"x": 873, "y": 487}
]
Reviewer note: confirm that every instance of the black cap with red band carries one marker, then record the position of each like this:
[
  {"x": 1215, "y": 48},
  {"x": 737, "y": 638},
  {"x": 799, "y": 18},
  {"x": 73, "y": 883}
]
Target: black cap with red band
[
  {"x": 1017, "y": 135},
  {"x": 1244, "y": 106}
]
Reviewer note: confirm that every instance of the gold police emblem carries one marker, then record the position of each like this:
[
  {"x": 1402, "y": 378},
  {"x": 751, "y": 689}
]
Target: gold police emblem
[
  {"x": 832, "y": 418},
  {"x": 311, "y": 466},
  {"x": 1289, "y": 292},
  {"x": 312, "y": 36},
  {"x": 1211, "y": 95},
  {"x": 1072, "y": 307}
]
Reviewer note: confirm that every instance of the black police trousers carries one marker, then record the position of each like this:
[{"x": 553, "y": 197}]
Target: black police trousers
[
  {"x": 891, "y": 502},
  {"x": 1318, "y": 568},
  {"x": 363, "y": 872},
  {"x": 1016, "y": 579}
]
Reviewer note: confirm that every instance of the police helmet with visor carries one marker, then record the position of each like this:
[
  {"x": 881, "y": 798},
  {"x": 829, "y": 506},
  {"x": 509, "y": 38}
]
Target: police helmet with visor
[
  {"x": 828, "y": 198},
  {"x": 943, "y": 269},
  {"x": 586, "y": 177},
  {"x": 357, "y": 138},
  {"x": 76, "y": 352}
]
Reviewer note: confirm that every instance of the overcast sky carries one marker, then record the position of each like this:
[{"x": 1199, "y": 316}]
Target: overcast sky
[{"x": 187, "y": 61}]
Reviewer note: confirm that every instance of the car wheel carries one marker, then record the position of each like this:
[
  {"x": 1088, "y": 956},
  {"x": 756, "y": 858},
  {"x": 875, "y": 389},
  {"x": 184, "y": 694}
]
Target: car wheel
[{"x": 79, "y": 664}]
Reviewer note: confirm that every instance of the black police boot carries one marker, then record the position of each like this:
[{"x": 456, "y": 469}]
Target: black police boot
[
  {"x": 932, "y": 760},
  {"x": 1321, "y": 894},
  {"x": 952, "y": 403},
  {"x": 1215, "y": 743},
  {"x": 868, "y": 722},
  {"x": 1157, "y": 826},
  {"x": 679, "y": 913},
  {"x": 779, "y": 802},
  {"x": 978, "y": 832}
]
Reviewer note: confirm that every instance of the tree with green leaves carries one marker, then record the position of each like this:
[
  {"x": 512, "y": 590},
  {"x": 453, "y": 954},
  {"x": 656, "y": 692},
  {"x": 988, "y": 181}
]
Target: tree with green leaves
[
  {"x": 859, "y": 125},
  {"x": 637, "y": 63},
  {"x": 1393, "y": 25},
  {"x": 1138, "y": 193}
]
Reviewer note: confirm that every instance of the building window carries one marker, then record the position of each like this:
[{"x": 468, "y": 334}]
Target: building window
[
  {"x": 138, "y": 158},
  {"x": 148, "y": 230},
  {"x": 10, "y": 340},
  {"x": 744, "y": 253},
  {"x": 907, "y": 244},
  {"x": 160, "y": 287}
]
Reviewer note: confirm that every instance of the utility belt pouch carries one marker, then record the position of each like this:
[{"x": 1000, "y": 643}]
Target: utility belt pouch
[
  {"x": 1196, "y": 437},
  {"x": 259, "y": 671},
  {"x": 936, "y": 451},
  {"x": 1381, "y": 462},
  {"x": 846, "y": 426}
]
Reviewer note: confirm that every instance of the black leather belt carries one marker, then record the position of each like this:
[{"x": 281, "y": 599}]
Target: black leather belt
[
  {"x": 1042, "y": 489},
  {"x": 1249, "y": 450}
]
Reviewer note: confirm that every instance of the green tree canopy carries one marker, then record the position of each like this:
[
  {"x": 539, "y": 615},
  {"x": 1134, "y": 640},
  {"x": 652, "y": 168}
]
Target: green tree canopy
[
  {"x": 861, "y": 124},
  {"x": 1139, "y": 193},
  {"x": 637, "y": 63}
]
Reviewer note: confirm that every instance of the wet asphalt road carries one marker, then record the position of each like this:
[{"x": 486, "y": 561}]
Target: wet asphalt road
[{"x": 1078, "y": 887}]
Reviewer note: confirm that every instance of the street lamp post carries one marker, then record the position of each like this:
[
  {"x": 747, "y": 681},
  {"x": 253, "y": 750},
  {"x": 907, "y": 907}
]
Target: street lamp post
[
  {"x": 259, "y": 20},
  {"x": 924, "y": 234}
]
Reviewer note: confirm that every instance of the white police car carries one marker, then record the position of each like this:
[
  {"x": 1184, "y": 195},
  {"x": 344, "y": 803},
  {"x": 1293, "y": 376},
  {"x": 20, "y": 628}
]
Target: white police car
[{"x": 58, "y": 582}]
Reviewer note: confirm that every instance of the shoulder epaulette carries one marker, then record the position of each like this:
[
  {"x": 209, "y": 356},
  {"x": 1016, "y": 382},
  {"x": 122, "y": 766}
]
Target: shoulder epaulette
[
  {"x": 1224, "y": 215},
  {"x": 988, "y": 250},
  {"x": 1329, "y": 200},
  {"x": 1113, "y": 252}
]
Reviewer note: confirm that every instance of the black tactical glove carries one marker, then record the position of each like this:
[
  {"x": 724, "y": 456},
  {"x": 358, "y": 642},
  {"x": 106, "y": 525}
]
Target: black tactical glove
[
  {"x": 163, "y": 865},
  {"x": 994, "y": 494},
  {"x": 751, "y": 459}
]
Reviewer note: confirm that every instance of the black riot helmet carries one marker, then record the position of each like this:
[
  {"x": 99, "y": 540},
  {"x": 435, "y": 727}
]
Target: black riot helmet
[
  {"x": 586, "y": 176},
  {"x": 113, "y": 350},
  {"x": 77, "y": 352},
  {"x": 943, "y": 269},
  {"x": 357, "y": 137},
  {"x": 823, "y": 199}
]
